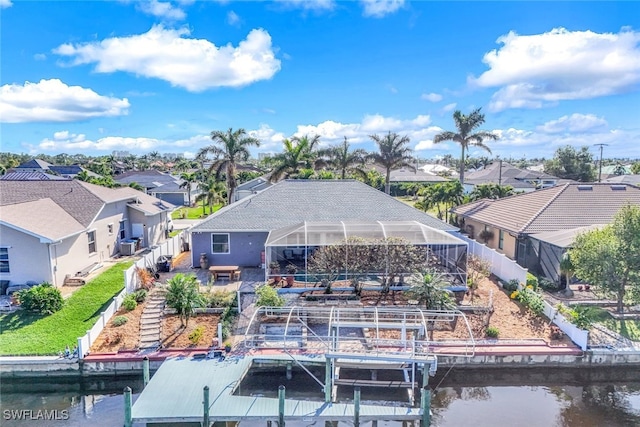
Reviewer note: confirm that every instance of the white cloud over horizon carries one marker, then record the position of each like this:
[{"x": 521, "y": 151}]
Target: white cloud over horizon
[
  {"x": 534, "y": 71},
  {"x": 167, "y": 54},
  {"x": 380, "y": 8},
  {"x": 583, "y": 123},
  {"x": 431, "y": 97},
  {"x": 54, "y": 101},
  {"x": 161, "y": 9}
]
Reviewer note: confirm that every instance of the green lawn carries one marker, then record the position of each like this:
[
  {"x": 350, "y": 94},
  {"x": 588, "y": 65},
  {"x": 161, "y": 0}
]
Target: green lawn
[
  {"x": 627, "y": 328},
  {"x": 23, "y": 333},
  {"x": 193, "y": 213}
]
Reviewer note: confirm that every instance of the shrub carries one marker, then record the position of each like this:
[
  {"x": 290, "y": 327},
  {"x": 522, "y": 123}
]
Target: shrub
[
  {"x": 129, "y": 302},
  {"x": 113, "y": 337},
  {"x": 140, "y": 295},
  {"x": 196, "y": 335},
  {"x": 120, "y": 320},
  {"x": 43, "y": 299},
  {"x": 268, "y": 297},
  {"x": 221, "y": 299},
  {"x": 183, "y": 294},
  {"x": 548, "y": 285},
  {"x": 511, "y": 285},
  {"x": 492, "y": 332},
  {"x": 531, "y": 299},
  {"x": 532, "y": 281}
]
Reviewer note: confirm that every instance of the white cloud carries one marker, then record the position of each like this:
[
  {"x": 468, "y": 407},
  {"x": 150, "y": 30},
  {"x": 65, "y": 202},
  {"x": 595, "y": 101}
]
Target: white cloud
[
  {"x": 315, "y": 5},
  {"x": 39, "y": 56},
  {"x": 233, "y": 18},
  {"x": 195, "y": 64},
  {"x": 270, "y": 140},
  {"x": 449, "y": 107},
  {"x": 380, "y": 8},
  {"x": 575, "y": 123},
  {"x": 161, "y": 9},
  {"x": 431, "y": 97},
  {"x": 5, "y": 4},
  {"x": 54, "y": 101},
  {"x": 539, "y": 70}
]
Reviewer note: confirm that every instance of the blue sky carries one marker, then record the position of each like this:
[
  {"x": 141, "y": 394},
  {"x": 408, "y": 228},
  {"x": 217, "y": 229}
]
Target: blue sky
[{"x": 92, "y": 77}]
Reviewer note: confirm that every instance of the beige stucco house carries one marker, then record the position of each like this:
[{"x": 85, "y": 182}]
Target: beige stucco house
[
  {"x": 50, "y": 229},
  {"x": 531, "y": 228}
]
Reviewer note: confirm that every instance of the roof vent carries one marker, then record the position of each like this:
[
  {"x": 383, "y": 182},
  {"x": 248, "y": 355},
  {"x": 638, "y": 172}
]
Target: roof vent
[
  {"x": 585, "y": 187},
  {"x": 619, "y": 187}
]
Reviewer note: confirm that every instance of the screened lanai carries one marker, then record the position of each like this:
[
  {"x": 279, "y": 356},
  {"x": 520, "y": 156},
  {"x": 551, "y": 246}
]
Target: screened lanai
[{"x": 296, "y": 244}]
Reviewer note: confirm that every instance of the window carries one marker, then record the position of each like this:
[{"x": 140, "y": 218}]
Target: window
[
  {"x": 91, "y": 237},
  {"x": 121, "y": 231},
  {"x": 110, "y": 229},
  {"x": 501, "y": 240},
  {"x": 4, "y": 260},
  {"x": 220, "y": 243}
]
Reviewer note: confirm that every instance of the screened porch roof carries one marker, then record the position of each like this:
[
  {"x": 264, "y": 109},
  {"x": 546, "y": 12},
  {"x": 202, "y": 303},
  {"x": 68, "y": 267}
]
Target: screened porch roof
[{"x": 312, "y": 233}]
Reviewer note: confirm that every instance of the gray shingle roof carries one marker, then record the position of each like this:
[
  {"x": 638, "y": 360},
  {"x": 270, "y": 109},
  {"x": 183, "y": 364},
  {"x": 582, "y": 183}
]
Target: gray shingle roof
[
  {"x": 32, "y": 176},
  {"x": 510, "y": 175},
  {"x": 293, "y": 201},
  {"x": 557, "y": 208}
]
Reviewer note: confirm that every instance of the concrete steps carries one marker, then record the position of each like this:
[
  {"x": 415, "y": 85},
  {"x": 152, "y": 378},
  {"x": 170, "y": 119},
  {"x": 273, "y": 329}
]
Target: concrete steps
[{"x": 151, "y": 320}]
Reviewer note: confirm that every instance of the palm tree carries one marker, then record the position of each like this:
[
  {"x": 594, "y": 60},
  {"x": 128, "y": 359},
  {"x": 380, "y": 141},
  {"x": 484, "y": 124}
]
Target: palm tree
[
  {"x": 183, "y": 295},
  {"x": 339, "y": 158},
  {"x": 430, "y": 291},
  {"x": 229, "y": 148},
  {"x": 188, "y": 178},
  {"x": 465, "y": 136},
  {"x": 211, "y": 193},
  {"x": 567, "y": 269},
  {"x": 298, "y": 154},
  {"x": 392, "y": 154}
]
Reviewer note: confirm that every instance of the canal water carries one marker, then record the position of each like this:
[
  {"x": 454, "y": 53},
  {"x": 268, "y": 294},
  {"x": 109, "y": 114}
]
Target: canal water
[{"x": 525, "y": 397}]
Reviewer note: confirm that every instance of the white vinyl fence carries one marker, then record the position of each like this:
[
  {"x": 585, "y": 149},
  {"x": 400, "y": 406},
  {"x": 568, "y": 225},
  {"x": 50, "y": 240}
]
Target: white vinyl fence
[
  {"x": 579, "y": 336},
  {"x": 171, "y": 247},
  {"x": 501, "y": 266}
]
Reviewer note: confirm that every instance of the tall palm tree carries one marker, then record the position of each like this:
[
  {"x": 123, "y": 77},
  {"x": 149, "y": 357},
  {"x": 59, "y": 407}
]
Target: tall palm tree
[
  {"x": 340, "y": 159},
  {"x": 392, "y": 154},
  {"x": 211, "y": 192},
  {"x": 229, "y": 148},
  {"x": 188, "y": 178},
  {"x": 298, "y": 154},
  {"x": 465, "y": 136}
]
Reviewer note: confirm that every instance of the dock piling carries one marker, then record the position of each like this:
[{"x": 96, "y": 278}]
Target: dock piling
[
  {"x": 145, "y": 370},
  {"x": 356, "y": 407},
  {"x": 328, "y": 376},
  {"x": 205, "y": 404},
  {"x": 281, "y": 390},
  {"x": 128, "y": 421},
  {"x": 425, "y": 407}
]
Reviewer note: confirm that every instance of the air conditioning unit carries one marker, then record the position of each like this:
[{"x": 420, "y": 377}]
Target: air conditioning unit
[{"x": 127, "y": 248}]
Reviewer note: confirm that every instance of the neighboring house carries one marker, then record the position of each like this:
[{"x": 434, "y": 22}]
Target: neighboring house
[
  {"x": 624, "y": 179},
  {"x": 53, "y": 228},
  {"x": 66, "y": 171},
  {"x": 251, "y": 187},
  {"x": 508, "y": 224},
  {"x": 162, "y": 185},
  {"x": 503, "y": 173},
  {"x": 436, "y": 169},
  {"x": 277, "y": 223},
  {"x": 32, "y": 176}
]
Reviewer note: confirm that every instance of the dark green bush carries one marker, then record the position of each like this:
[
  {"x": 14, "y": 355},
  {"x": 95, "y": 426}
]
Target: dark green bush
[
  {"x": 548, "y": 285},
  {"x": 43, "y": 299},
  {"x": 511, "y": 285},
  {"x": 492, "y": 332},
  {"x": 129, "y": 302},
  {"x": 140, "y": 295}
]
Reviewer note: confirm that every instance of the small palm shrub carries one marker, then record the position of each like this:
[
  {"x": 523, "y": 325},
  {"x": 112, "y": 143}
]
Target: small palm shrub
[
  {"x": 120, "y": 320},
  {"x": 196, "y": 335},
  {"x": 183, "y": 295},
  {"x": 492, "y": 332},
  {"x": 140, "y": 295},
  {"x": 43, "y": 299},
  {"x": 129, "y": 302}
]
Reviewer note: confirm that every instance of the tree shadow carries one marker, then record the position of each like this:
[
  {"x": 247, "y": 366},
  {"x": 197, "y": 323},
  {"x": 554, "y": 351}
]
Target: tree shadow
[{"x": 16, "y": 320}]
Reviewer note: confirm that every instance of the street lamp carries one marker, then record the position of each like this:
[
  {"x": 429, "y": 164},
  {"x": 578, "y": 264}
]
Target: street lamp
[{"x": 600, "y": 163}]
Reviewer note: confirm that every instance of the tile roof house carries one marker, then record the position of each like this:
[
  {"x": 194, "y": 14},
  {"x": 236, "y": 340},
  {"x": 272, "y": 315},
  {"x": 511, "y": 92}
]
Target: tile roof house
[
  {"x": 237, "y": 234},
  {"x": 52, "y": 228},
  {"x": 503, "y": 173},
  {"x": 161, "y": 185},
  {"x": 517, "y": 224}
]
